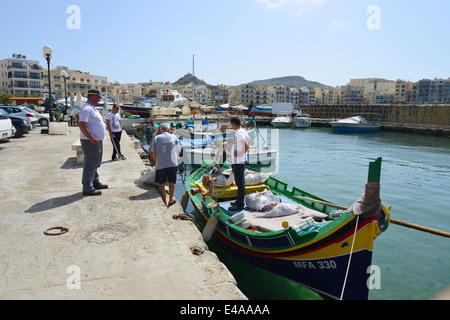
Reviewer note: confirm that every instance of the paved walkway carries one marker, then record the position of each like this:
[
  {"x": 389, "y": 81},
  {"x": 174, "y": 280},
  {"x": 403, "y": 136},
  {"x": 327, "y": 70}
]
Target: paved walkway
[{"x": 121, "y": 245}]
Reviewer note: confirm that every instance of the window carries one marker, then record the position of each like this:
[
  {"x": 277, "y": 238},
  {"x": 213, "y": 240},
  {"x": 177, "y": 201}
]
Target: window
[{"x": 36, "y": 76}]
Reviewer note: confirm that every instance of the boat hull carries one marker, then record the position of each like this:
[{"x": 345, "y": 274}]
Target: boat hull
[
  {"x": 143, "y": 112},
  {"x": 356, "y": 128},
  {"x": 317, "y": 258},
  {"x": 320, "y": 267},
  {"x": 302, "y": 123}
]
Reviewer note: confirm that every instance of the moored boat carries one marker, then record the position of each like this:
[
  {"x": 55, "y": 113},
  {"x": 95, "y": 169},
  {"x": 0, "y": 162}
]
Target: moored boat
[
  {"x": 140, "y": 107},
  {"x": 263, "y": 110},
  {"x": 355, "y": 124},
  {"x": 282, "y": 121},
  {"x": 318, "y": 247},
  {"x": 301, "y": 122}
]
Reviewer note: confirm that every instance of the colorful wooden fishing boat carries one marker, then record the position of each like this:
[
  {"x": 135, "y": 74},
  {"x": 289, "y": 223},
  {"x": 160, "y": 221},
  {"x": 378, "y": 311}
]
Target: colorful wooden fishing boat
[
  {"x": 264, "y": 110},
  {"x": 332, "y": 257}
]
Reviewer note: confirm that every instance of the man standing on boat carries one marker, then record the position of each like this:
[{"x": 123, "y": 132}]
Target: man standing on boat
[
  {"x": 114, "y": 126},
  {"x": 239, "y": 154},
  {"x": 164, "y": 152},
  {"x": 92, "y": 134}
]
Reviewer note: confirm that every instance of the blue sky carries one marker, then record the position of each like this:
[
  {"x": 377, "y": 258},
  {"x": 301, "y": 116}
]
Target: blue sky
[{"x": 235, "y": 41}]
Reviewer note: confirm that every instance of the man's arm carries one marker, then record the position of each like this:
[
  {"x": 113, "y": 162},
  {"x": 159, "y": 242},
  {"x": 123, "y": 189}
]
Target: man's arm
[
  {"x": 85, "y": 131},
  {"x": 108, "y": 126},
  {"x": 152, "y": 159}
]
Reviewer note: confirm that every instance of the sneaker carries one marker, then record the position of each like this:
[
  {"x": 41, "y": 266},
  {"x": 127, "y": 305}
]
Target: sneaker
[
  {"x": 122, "y": 157},
  {"x": 115, "y": 159},
  {"x": 100, "y": 186},
  {"x": 92, "y": 193}
]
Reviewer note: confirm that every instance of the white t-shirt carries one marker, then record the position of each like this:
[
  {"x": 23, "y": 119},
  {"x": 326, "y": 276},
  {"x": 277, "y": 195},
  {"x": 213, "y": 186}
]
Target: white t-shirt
[
  {"x": 239, "y": 144},
  {"x": 114, "y": 121},
  {"x": 94, "y": 122}
]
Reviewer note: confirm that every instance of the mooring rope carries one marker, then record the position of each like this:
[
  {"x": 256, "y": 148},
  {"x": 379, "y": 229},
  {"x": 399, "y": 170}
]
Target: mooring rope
[{"x": 350, "y": 258}]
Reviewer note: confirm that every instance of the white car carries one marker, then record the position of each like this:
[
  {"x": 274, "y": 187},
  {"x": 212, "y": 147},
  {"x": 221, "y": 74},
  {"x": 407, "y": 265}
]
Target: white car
[{"x": 7, "y": 130}]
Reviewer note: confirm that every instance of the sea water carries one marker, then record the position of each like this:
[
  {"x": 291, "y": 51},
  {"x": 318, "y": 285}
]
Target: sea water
[{"x": 415, "y": 180}]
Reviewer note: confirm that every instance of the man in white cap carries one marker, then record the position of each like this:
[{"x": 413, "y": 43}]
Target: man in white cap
[{"x": 93, "y": 133}]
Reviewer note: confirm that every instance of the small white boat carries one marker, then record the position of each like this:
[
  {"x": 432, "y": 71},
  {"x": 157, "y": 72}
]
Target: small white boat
[
  {"x": 282, "y": 121},
  {"x": 302, "y": 122},
  {"x": 255, "y": 156},
  {"x": 355, "y": 124}
]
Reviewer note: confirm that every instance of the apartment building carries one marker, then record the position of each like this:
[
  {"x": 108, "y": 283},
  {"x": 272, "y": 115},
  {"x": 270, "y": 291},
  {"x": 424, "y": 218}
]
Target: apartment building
[
  {"x": 218, "y": 94},
  {"x": 77, "y": 81},
  {"x": 20, "y": 76},
  {"x": 436, "y": 91}
]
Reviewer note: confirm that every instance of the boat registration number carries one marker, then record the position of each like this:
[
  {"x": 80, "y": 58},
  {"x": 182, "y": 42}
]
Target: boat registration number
[{"x": 319, "y": 264}]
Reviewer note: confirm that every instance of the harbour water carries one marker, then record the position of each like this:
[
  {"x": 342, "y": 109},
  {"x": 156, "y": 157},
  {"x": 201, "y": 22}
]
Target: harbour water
[{"x": 415, "y": 180}]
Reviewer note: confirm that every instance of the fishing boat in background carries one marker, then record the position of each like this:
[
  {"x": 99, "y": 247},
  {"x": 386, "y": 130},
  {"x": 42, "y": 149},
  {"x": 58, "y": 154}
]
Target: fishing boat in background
[
  {"x": 263, "y": 110},
  {"x": 355, "y": 124},
  {"x": 319, "y": 247},
  {"x": 256, "y": 157},
  {"x": 140, "y": 107},
  {"x": 223, "y": 108}
]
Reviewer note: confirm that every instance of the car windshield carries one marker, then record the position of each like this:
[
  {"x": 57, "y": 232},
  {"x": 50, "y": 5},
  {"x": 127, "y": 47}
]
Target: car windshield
[{"x": 3, "y": 112}]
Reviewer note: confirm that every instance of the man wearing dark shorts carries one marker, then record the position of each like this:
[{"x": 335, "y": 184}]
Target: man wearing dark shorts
[{"x": 164, "y": 152}]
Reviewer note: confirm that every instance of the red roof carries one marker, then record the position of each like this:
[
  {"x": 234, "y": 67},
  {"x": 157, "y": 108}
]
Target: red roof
[{"x": 25, "y": 99}]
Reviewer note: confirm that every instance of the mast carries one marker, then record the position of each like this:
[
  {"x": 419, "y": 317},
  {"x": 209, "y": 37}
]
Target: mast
[{"x": 193, "y": 74}]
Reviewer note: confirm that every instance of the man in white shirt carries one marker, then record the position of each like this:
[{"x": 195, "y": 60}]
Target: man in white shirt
[
  {"x": 239, "y": 154},
  {"x": 92, "y": 134},
  {"x": 114, "y": 126}
]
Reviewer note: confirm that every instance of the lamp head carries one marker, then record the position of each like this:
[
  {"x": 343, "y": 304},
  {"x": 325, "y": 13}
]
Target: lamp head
[
  {"x": 64, "y": 74},
  {"x": 48, "y": 51}
]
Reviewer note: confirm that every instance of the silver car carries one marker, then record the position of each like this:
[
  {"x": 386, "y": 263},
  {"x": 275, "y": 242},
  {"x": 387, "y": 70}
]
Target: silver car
[
  {"x": 22, "y": 113},
  {"x": 43, "y": 119}
]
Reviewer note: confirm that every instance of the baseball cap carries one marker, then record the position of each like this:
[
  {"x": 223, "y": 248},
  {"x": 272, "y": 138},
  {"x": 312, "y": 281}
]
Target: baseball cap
[{"x": 94, "y": 92}]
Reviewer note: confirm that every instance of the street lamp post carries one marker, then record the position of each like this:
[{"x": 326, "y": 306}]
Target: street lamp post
[
  {"x": 65, "y": 76},
  {"x": 48, "y": 51}
]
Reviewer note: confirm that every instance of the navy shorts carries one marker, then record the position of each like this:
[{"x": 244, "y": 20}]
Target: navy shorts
[{"x": 166, "y": 175}]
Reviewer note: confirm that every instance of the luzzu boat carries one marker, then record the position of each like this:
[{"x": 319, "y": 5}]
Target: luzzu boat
[{"x": 332, "y": 257}]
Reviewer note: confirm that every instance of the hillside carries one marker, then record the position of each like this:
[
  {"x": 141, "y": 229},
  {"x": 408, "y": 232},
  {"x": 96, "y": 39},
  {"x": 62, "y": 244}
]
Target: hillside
[
  {"x": 189, "y": 78},
  {"x": 291, "y": 81}
]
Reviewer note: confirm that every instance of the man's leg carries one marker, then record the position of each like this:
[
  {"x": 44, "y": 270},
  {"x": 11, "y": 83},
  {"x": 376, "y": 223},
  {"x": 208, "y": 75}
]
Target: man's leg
[
  {"x": 239, "y": 179},
  {"x": 172, "y": 178},
  {"x": 162, "y": 192},
  {"x": 161, "y": 178},
  {"x": 92, "y": 160}
]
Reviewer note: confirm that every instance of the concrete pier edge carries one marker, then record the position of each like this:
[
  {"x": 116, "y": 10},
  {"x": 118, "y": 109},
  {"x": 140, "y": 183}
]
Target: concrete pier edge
[{"x": 123, "y": 245}]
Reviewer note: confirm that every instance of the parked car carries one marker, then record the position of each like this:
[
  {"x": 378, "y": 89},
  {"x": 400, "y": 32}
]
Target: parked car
[
  {"x": 43, "y": 119},
  {"x": 21, "y": 112},
  {"x": 7, "y": 129},
  {"x": 21, "y": 125}
]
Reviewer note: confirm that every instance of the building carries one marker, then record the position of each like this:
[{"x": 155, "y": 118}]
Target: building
[
  {"x": 20, "y": 76},
  {"x": 436, "y": 91},
  {"x": 218, "y": 94},
  {"x": 76, "y": 82}
]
